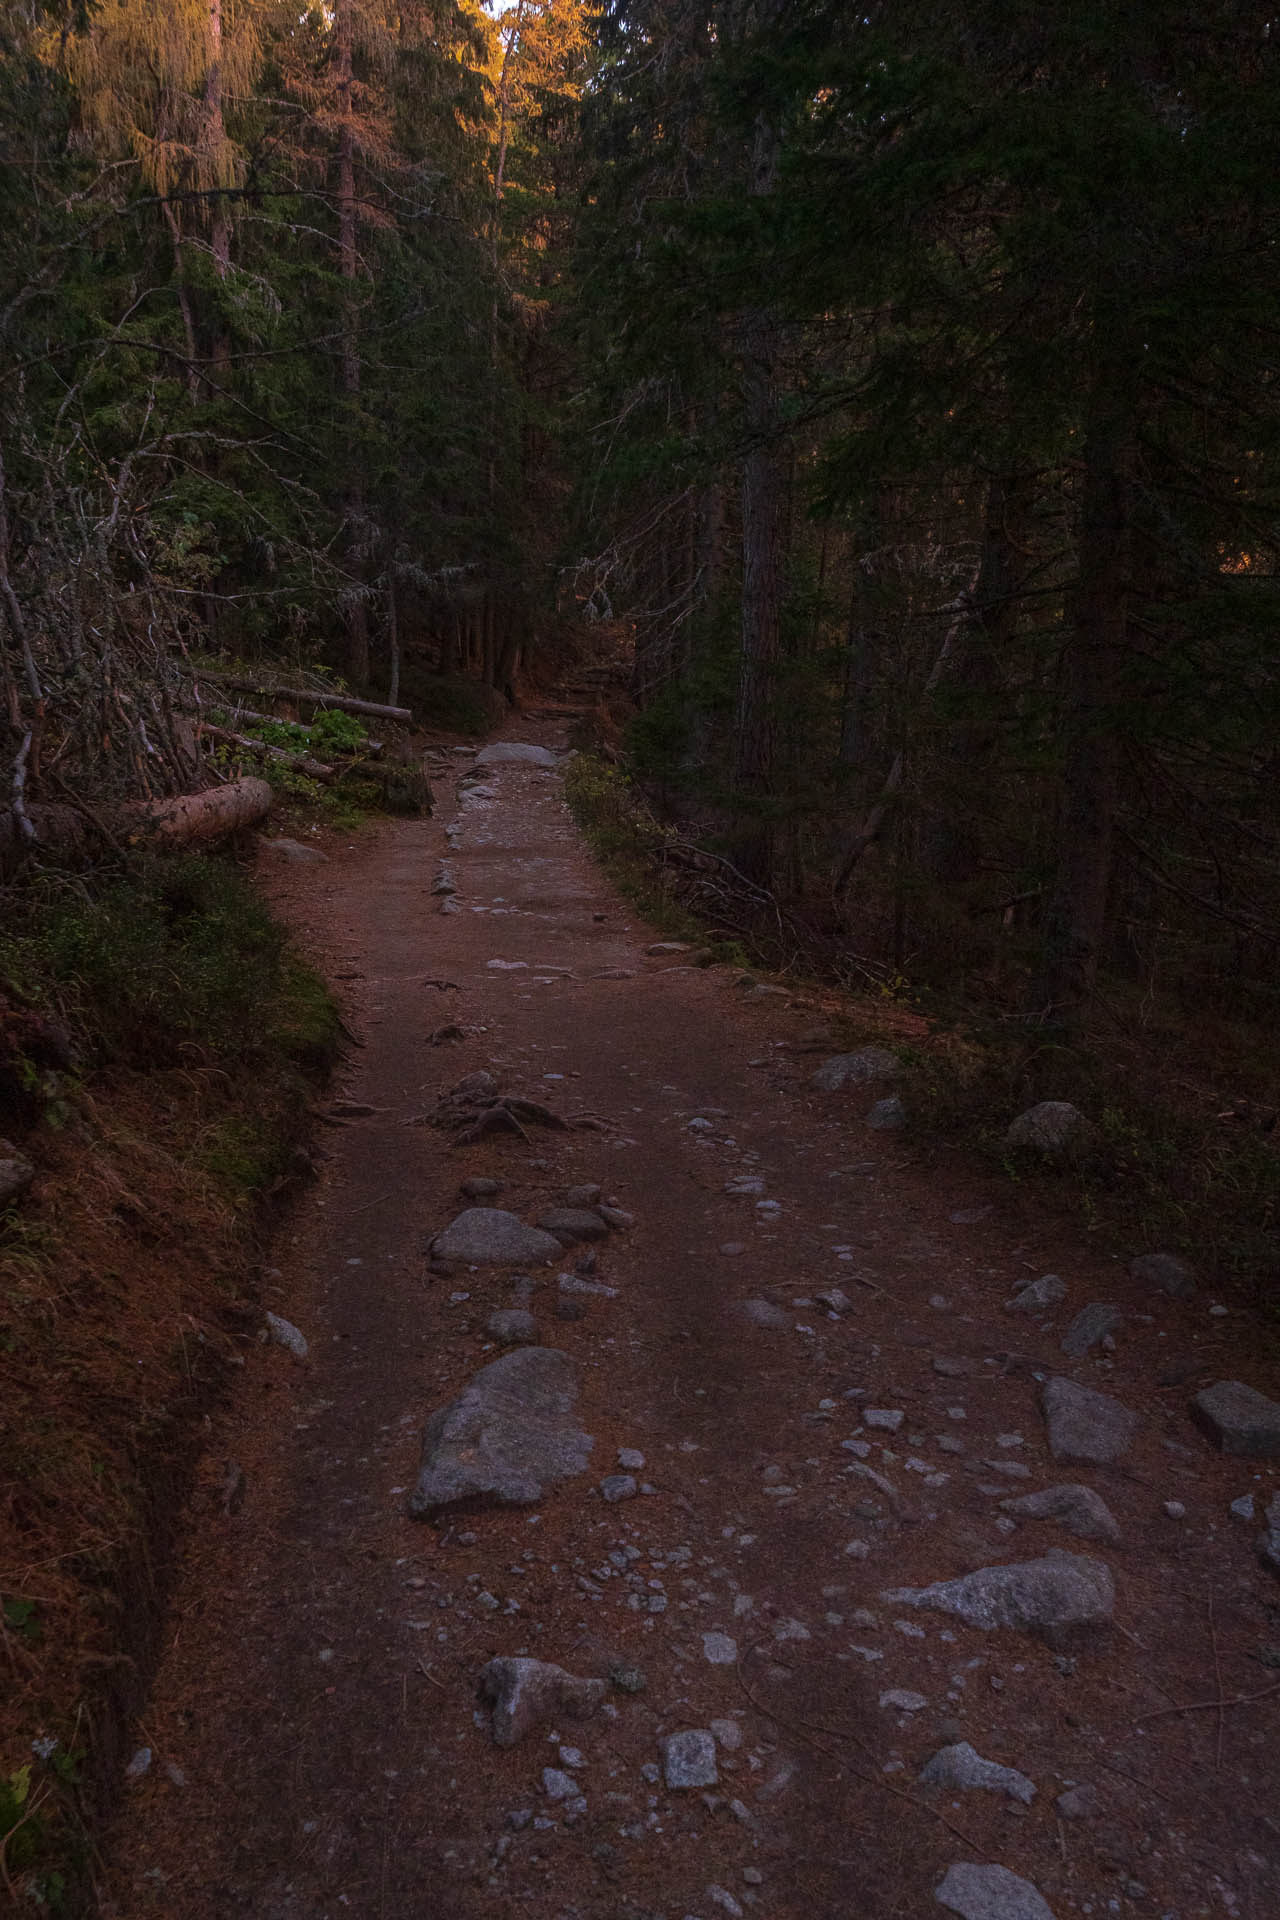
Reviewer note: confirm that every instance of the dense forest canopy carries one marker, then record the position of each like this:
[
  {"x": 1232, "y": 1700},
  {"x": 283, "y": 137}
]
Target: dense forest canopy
[{"x": 901, "y": 381}]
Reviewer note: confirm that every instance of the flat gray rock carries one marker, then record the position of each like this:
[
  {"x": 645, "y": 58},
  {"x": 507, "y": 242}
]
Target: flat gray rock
[
  {"x": 856, "y": 1069},
  {"x": 516, "y": 753},
  {"x": 1053, "y": 1128},
  {"x": 508, "y": 1436},
  {"x": 990, "y": 1893},
  {"x": 1166, "y": 1273},
  {"x": 1091, "y": 1324},
  {"x": 527, "y": 1693},
  {"x": 1060, "y": 1599},
  {"x": 1239, "y": 1419},
  {"x": 488, "y": 1237},
  {"x": 295, "y": 853},
  {"x": 763, "y": 1313},
  {"x": 572, "y": 1224},
  {"x": 1086, "y": 1426},
  {"x": 689, "y": 1759},
  {"x": 285, "y": 1334},
  {"x": 618, "y": 1486},
  {"x": 512, "y": 1327},
  {"x": 1039, "y": 1296},
  {"x": 1078, "y": 1510},
  {"x": 16, "y": 1174},
  {"x": 886, "y": 1116},
  {"x": 480, "y": 1187},
  {"x": 960, "y": 1766},
  {"x": 584, "y": 1196}
]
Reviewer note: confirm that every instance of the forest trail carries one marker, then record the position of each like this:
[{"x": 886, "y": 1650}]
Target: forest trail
[{"x": 318, "y": 1746}]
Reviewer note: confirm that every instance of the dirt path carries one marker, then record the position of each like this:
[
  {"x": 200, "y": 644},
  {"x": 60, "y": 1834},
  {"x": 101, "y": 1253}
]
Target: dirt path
[{"x": 318, "y": 1746}]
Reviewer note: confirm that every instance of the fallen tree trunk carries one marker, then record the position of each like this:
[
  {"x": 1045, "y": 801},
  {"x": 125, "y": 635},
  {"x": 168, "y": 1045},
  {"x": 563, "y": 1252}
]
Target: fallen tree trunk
[
  {"x": 188, "y": 819},
  {"x": 245, "y": 716},
  {"x": 295, "y": 762},
  {"x": 345, "y": 703}
]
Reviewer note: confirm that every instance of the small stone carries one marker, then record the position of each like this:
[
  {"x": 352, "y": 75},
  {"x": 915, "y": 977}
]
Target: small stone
[
  {"x": 903, "y": 1701},
  {"x": 480, "y": 1187},
  {"x": 1241, "y": 1420},
  {"x": 1050, "y": 1290},
  {"x": 617, "y": 1218},
  {"x": 950, "y": 1366},
  {"x": 722, "y": 1898},
  {"x": 961, "y": 1766},
  {"x": 1166, "y": 1273},
  {"x": 834, "y": 1299},
  {"x": 526, "y": 1693},
  {"x": 509, "y": 1434},
  {"x": 732, "y": 1248},
  {"x": 763, "y": 1314},
  {"x": 1060, "y": 1598},
  {"x": 885, "y": 1419},
  {"x": 586, "y": 1196},
  {"x": 294, "y": 853},
  {"x": 1175, "y": 1510},
  {"x": 728, "y": 1734},
  {"x": 856, "y": 1069},
  {"x": 887, "y": 1116},
  {"x": 16, "y": 1174},
  {"x": 558, "y": 1785},
  {"x": 1091, "y": 1325},
  {"x": 1242, "y": 1509},
  {"x": 990, "y": 1893},
  {"x": 630, "y": 1459},
  {"x": 689, "y": 1759},
  {"x": 140, "y": 1765},
  {"x": 516, "y": 753},
  {"x": 512, "y": 1327},
  {"x": 285, "y": 1334},
  {"x": 1087, "y": 1426},
  {"x": 628, "y": 1679},
  {"x": 1077, "y": 1803},
  {"x": 660, "y": 947},
  {"x": 618, "y": 1486},
  {"x": 719, "y": 1649},
  {"x": 1078, "y": 1510},
  {"x": 753, "y": 1876},
  {"x": 1269, "y": 1549}
]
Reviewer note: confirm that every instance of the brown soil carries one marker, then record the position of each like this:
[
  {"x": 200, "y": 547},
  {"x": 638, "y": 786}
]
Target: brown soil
[{"x": 318, "y": 1749}]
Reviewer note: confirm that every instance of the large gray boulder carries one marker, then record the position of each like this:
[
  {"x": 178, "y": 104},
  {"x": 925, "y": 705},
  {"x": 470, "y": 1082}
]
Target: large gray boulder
[
  {"x": 490, "y": 1237},
  {"x": 1076, "y": 1509},
  {"x": 515, "y": 753},
  {"x": 1240, "y": 1419},
  {"x": 856, "y": 1069},
  {"x": 1061, "y": 1599},
  {"x": 526, "y": 1693},
  {"x": 1054, "y": 1129},
  {"x": 990, "y": 1893},
  {"x": 508, "y": 1436},
  {"x": 1085, "y": 1425}
]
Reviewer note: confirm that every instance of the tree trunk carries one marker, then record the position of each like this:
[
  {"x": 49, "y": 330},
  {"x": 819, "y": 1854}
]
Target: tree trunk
[
  {"x": 1076, "y": 922},
  {"x": 355, "y": 614},
  {"x": 186, "y": 820}
]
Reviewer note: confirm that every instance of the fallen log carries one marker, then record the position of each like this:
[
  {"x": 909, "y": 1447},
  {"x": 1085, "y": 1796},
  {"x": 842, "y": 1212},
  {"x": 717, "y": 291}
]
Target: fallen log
[
  {"x": 245, "y": 716},
  {"x": 295, "y": 762},
  {"x": 186, "y": 819},
  {"x": 345, "y": 703}
]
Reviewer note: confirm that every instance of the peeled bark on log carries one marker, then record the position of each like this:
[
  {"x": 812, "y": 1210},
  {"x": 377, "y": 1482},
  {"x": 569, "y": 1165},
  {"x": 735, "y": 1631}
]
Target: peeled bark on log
[
  {"x": 187, "y": 819},
  {"x": 302, "y": 698}
]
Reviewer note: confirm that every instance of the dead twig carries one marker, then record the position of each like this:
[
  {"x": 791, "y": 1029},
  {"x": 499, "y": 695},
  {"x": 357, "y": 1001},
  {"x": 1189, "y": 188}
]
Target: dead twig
[{"x": 1203, "y": 1706}]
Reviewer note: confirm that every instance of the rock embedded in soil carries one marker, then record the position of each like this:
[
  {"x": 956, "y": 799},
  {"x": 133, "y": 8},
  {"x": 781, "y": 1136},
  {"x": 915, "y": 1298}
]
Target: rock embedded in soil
[
  {"x": 569, "y": 1225},
  {"x": 618, "y": 1486},
  {"x": 961, "y": 1766},
  {"x": 886, "y": 1116},
  {"x": 16, "y": 1174},
  {"x": 1166, "y": 1273},
  {"x": 515, "y": 753},
  {"x": 689, "y": 1759},
  {"x": 616, "y": 1218},
  {"x": 1087, "y": 1426},
  {"x": 585, "y": 1196},
  {"x": 1077, "y": 1803},
  {"x": 512, "y": 1327},
  {"x": 527, "y": 1693},
  {"x": 295, "y": 854},
  {"x": 488, "y": 1237},
  {"x": 1038, "y": 1296},
  {"x": 834, "y": 1299},
  {"x": 903, "y": 1701},
  {"x": 763, "y": 1313},
  {"x": 1054, "y": 1129},
  {"x": 480, "y": 1187},
  {"x": 1078, "y": 1510},
  {"x": 856, "y": 1069},
  {"x": 508, "y": 1436},
  {"x": 1060, "y": 1599},
  {"x": 990, "y": 1893},
  {"x": 1092, "y": 1324},
  {"x": 285, "y": 1334},
  {"x": 1239, "y": 1419}
]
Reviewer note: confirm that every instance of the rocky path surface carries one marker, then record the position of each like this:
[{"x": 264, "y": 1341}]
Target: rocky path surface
[{"x": 767, "y": 1553}]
